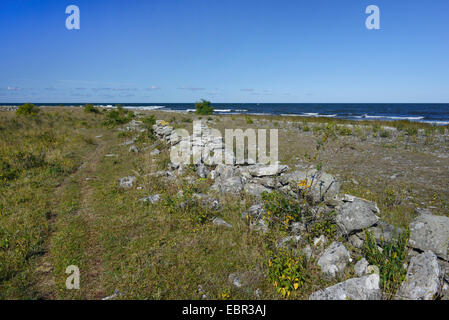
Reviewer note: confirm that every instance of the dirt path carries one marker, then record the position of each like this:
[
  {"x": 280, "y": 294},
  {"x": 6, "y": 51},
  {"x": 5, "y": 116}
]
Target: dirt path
[
  {"x": 44, "y": 272},
  {"x": 95, "y": 264}
]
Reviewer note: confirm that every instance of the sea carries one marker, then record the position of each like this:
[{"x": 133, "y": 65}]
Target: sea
[{"x": 434, "y": 113}]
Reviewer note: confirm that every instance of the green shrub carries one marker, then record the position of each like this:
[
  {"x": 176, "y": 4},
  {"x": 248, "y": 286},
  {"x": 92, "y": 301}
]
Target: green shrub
[
  {"x": 384, "y": 134},
  {"x": 344, "y": 131},
  {"x": 412, "y": 131},
  {"x": 286, "y": 272},
  {"x": 249, "y": 120},
  {"x": 204, "y": 107},
  {"x": 390, "y": 260},
  {"x": 149, "y": 121},
  {"x": 89, "y": 108},
  {"x": 281, "y": 209},
  {"x": 326, "y": 227},
  {"x": 118, "y": 116},
  {"x": 27, "y": 109}
]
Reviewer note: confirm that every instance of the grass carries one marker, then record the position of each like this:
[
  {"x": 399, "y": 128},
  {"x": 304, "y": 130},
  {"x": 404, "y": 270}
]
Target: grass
[
  {"x": 36, "y": 154},
  {"x": 390, "y": 261},
  {"x": 60, "y": 205}
]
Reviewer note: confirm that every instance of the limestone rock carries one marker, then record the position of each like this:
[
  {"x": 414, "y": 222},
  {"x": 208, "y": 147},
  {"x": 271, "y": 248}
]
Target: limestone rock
[
  {"x": 363, "y": 288},
  {"x": 357, "y": 215},
  {"x": 254, "y": 212},
  {"x": 429, "y": 232},
  {"x": 232, "y": 185},
  {"x": 270, "y": 170},
  {"x": 221, "y": 223},
  {"x": 423, "y": 278},
  {"x": 127, "y": 182},
  {"x": 133, "y": 149},
  {"x": 361, "y": 267},
  {"x": 255, "y": 190},
  {"x": 334, "y": 259},
  {"x": 202, "y": 170},
  {"x": 284, "y": 242},
  {"x": 384, "y": 232},
  {"x": 152, "y": 199}
]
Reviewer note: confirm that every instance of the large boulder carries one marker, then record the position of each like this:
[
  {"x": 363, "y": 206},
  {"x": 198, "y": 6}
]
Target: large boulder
[
  {"x": 324, "y": 187},
  {"x": 423, "y": 278},
  {"x": 334, "y": 259},
  {"x": 357, "y": 215},
  {"x": 429, "y": 232},
  {"x": 363, "y": 288},
  {"x": 318, "y": 186}
]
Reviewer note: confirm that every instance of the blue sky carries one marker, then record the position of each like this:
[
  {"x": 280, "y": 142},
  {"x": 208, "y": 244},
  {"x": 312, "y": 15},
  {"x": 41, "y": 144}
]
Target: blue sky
[{"x": 224, "y": 51}]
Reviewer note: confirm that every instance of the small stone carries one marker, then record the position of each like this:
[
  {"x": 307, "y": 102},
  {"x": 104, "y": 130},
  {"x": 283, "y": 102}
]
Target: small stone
[
  {"x": 152, "y": 199},
  {"x": 307, "y": 251},
  {"x": 297, "y": 228},
  {"x": 284, "y": 242},
  {"x": 133, "y": 149},
  {"x": 356, "y": 241},
  {"x": 320, "y": 241},
  {"x": 221, "y": 223},
  {"x": 360, "y": 267},
  {"x": 334, "y": 259},
  {"x": 255, "y": 190},
  {"x": 372, "y": 269},
  {"x": 255, "y": 212},
  {"x": 127, "y": 182}
]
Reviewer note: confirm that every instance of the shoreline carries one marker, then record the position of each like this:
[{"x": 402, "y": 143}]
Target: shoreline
[
  {"x": 354, "y": 118},
  {"x": 389, "y": 121}
]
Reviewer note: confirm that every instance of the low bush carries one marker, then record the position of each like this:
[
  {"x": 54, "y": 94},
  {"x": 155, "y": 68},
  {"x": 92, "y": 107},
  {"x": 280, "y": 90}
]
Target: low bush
[
  {"x": 286, "y": 272},
  {"x": 204, "y": 107},
  {"x": 27, "y": 109},
  {"x": 89, "y": 108},
  {"x": 118, "y": 116},
  {"x": 281, "y": 209}
]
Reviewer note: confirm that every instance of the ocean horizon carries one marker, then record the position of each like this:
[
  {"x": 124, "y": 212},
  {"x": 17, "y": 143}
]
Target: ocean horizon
[{"x": 433, "y": 113}]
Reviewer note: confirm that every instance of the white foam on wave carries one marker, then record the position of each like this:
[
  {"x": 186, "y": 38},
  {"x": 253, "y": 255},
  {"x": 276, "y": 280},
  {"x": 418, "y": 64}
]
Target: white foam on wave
[
  {"x": 144, "y": 107},
  {"x": 390, "y": 117},
  {"x": 436, "y": 122},
  {"x": 315, "y": 114},
  {"x": 222, "y": 110},
  {"x": 310, "y": 114}
]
